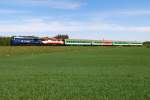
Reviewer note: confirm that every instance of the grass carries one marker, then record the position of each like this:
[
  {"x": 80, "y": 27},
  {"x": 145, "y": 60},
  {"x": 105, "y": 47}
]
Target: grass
[{"x": 74, "y": 73}]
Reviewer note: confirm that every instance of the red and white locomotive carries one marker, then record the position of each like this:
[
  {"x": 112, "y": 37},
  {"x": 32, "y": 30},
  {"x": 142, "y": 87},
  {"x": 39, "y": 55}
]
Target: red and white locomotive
[{"x": 52, "y": 41}]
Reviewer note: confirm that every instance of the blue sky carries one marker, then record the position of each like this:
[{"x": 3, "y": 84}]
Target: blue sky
[{"x": 87, "y": 19}]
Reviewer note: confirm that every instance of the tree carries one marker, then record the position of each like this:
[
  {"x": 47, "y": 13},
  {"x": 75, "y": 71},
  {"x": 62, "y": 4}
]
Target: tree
[
  {"x": 147, "y": 43},
  {"x": 61, "y": 37},
  {"x": 5, "y": 41}
]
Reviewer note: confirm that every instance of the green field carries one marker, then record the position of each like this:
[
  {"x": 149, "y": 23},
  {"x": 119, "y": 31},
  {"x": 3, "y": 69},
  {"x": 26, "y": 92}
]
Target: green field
[{"x": 74, "y": 73}]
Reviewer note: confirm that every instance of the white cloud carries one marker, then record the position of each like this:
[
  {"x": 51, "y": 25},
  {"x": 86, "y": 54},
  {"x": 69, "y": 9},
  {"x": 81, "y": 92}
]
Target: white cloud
[
  {"x": 135, "y": 12},
  {"x": 87, "y": 30},
  {"x": 12, "y": 11},
  {"x": 8, "y": 11},
  {"x": 39, "y": 25},
  {"x": 65, "y": 5},
  {"x": 3, "y": 11},
  {"x": 138, "y": 12},
  {"x": 56, "y": 4}
]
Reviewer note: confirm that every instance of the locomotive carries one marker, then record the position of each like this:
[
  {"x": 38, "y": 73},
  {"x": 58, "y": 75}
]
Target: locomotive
[
  {"x": 25, "y": 40},
  {"x": 52, "y": 41}
]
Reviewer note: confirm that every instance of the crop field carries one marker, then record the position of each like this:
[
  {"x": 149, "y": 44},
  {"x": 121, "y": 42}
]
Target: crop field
[{"x": 74, "y": 73}]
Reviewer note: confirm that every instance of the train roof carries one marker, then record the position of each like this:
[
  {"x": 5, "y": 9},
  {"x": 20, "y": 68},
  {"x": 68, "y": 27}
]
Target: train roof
[
  {"x": 26, "y": 37},
  {"x": 102, "y": 40}
]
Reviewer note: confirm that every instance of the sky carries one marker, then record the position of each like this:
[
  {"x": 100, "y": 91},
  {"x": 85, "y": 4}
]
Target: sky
[{"x": 84, "y": 19}]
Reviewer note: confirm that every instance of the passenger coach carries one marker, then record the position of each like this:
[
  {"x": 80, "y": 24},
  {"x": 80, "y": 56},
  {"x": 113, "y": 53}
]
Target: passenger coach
[{"x": 82, "y": 42}]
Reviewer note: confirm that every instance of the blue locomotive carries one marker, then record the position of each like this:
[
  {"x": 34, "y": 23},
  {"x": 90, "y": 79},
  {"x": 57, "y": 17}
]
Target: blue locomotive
[{"x": 26, "y": 40}]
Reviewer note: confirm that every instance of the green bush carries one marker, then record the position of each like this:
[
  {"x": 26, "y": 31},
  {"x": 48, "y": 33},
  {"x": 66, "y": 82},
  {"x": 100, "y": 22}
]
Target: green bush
[
  {"x": 147, "y": 44},
  {"x": 61, "y": 37},
  {"x": 5, "y": 41}
]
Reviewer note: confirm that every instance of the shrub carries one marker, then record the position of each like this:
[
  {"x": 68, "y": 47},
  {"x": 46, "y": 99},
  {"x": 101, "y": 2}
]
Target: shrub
[
  {"x": 147, "y": 44},
  {"x": 5, "y": 41}
]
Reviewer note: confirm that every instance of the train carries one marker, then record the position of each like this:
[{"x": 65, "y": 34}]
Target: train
[{"x": 31, "y": 40}]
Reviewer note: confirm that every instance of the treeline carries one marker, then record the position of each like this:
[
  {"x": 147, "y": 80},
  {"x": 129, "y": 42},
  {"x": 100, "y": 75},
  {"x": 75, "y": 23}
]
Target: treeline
[
  {"x": 61, "y": 37},
  {"x": 5, "y": 41},
  {"x": 147, "y": 43}
]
